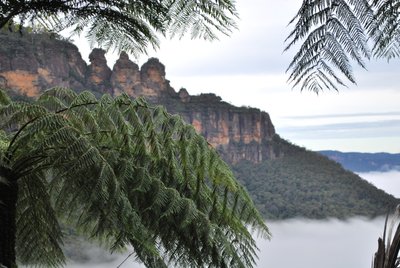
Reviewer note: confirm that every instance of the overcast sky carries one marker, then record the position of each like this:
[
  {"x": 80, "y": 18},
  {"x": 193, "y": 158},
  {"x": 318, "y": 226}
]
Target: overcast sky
[{"x": 248, "y": 68}]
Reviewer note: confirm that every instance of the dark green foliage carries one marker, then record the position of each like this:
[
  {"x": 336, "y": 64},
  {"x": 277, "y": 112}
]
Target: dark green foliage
[
  {"x": 334, "y": 34},
  {"x": 124, "y": 173},
  {"x": 16, "y": 96},
  {"x": 300, "y": 183},
  {"x": 387, "y": 255},
  {"x": 384, "y": 29}
]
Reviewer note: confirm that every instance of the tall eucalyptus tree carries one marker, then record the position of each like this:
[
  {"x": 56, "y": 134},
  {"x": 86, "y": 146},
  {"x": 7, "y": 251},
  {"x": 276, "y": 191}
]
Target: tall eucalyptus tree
[{"x": 122, "y": 172}]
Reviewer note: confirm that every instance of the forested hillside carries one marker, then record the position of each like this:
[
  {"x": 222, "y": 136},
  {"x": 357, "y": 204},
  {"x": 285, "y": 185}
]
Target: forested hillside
[{"x": 301, "y": 183}]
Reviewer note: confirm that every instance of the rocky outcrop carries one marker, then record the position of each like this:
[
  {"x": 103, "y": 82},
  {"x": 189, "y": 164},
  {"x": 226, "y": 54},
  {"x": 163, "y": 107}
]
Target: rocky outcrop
[
  {"x": 149, "y": 81},
  {"x": 125, "y": 76},
  {"x": 33, "y": 63},
  {"x": 98, "y": 73},
  {"x": 238, "y": 132}
]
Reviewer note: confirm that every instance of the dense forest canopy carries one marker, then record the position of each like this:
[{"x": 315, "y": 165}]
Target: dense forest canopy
[{"x": 302, "y": 183}]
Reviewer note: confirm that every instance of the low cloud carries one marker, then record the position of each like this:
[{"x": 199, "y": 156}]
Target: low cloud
[
  {"x": 303, "y": 243},
  {"x": 346, "y": 115},
  {"x": 388, "y": 181},
  {"x": 383, "y": 128}
]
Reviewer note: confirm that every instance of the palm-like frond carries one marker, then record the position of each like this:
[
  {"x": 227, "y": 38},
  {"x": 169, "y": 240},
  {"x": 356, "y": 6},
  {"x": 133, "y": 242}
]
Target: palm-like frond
[
  {"x": 385, "y": 29},
  {"x": 203, "y": 19},
  {"x": 333, "y": 35},
  {"x": 387, "y": 255},
  {"x": 132, "y": 26},
  {"x": 4, "y": 99},
  {"x": 38, "y": 230},
  {"x": 127, "y": 174},
  {"x": 134, "y": 35}
]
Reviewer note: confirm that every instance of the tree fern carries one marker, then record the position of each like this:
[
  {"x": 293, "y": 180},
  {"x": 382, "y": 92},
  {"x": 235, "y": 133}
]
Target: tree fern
[
  {"x": 38, "y": 230},
  {"x": 333, "y": 34},
  {"x": 132, "y": 26},
  {"x": 384, "y": 29},
  {"x": 203, "y": 19},
  {"x": 127, "y": 174}
]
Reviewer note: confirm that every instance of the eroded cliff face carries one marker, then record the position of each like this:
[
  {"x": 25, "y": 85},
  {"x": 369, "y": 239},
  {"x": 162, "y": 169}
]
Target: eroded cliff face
[
  {"x": 238, "y": 132},
  {"x": 33, "y": 63}
]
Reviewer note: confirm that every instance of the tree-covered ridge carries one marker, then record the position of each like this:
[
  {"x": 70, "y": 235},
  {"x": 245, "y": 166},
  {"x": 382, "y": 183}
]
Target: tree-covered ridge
[
  {"x": 301, "y": 183},
  {"x": 122, "y": 172}
]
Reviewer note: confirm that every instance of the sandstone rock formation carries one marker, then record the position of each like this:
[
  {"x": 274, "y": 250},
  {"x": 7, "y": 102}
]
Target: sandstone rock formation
[
  {"x": 32, "y": 63},
  {"x": 239, "y": 133},
  {"x": 98, "y": 73},
  {"x": 125, "y": 76}
]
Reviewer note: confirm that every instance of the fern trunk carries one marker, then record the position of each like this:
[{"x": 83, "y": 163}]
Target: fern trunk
[{"x": 8, "y": 202}]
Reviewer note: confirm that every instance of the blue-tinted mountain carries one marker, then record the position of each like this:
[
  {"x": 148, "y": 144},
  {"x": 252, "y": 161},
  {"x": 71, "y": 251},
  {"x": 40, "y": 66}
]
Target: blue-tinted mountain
[{"x": 365, "y": 162}]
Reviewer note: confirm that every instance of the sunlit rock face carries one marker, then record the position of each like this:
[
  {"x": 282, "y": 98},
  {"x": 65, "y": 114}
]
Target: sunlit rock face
[
  {"x": 30, "y": 64},
  {"x": 125, "y": 76},
  {"x": 239, "y": 133},
  {"x": 98, "y": 73}
]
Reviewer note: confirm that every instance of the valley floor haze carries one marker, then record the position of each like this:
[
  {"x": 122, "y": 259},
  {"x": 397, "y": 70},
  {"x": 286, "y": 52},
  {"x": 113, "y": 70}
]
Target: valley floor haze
[{"x": 304, "y": 243}]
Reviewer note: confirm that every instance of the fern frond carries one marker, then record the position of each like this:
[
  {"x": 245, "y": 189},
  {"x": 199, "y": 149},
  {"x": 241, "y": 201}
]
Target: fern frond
[
  {"x": 134, "y": 35},
  {"x": 4, "y": 98},
  {"x": 201, "y": 19},
  {"x": 334, "y": 35},
  {"x": 19, "y": 113},
  {"x": 126, "y": 173},
  {"x": 64, "y": 95},
  {"x": 384, "y": 29},
  {"x": 38, "y": 231}
]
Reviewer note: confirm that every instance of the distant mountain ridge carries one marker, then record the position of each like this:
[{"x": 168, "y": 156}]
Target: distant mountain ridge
[
  {"x": 283, "y": 179},
  {"x": 364, "y": 162}
]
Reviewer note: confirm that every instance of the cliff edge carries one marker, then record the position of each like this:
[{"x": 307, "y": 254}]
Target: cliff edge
[{"x": 32, "y": 63}]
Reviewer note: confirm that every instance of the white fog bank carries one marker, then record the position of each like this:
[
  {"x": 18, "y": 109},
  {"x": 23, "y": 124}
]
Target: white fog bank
[
  {"x": 329, "y": 244},
  {"x": 388, "y": 181},
  {"x": 302, "y": 243},
  {"x": 305, "y": 244}
]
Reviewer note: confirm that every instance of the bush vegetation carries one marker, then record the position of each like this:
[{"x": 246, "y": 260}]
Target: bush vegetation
[{"x": 301, "y": 183}]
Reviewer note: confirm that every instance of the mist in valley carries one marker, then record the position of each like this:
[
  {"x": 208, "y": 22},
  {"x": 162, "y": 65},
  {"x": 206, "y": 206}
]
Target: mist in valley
[
  {"x": 388, "y": 181},
  {"x": 303, "y": 243}
]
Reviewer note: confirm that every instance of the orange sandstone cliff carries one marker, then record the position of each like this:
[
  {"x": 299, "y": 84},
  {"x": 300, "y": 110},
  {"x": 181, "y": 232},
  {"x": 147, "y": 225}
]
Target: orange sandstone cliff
[{"x": 30, "y": 64}]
